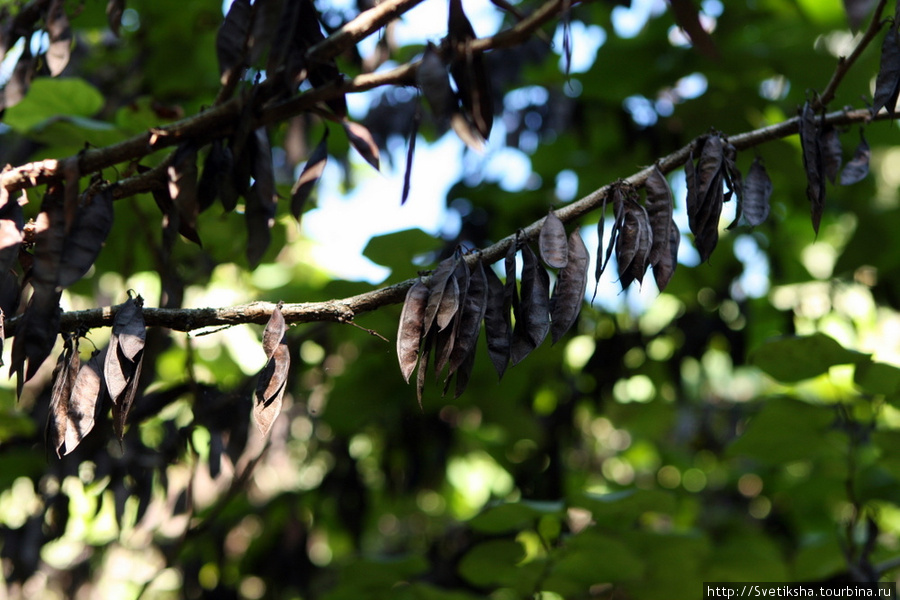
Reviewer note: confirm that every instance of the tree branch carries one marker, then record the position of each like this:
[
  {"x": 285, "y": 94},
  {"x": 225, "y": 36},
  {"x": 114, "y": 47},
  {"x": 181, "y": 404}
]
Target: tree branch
[{"x": 347, "y": 309}]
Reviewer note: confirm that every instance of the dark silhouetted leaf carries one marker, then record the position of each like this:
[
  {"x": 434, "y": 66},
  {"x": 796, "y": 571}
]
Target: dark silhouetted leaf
[
  {"x": 433, "y": 79},
  {"x": 60, "y": 34},
  {"x": 361, "y": 139},
  {"x": 260, "y": 217},
  {"x": 812, "y": 163},
  {"x": 552, "y": 242},
  {"x": 183, "y": 189},
  {"x": 568, "y": 294},
  {"x": 216, "y": 170},
  {"x": 887, "y": 83},
  {"x": 272, "y": 380},
  {"x": 36, "y": 333},
  {"x": 231, "y": 40},
  {"x": 497, "y": 323},
  {"x": 312, "y": 171},
  {"x": 88, "y": 233},
  {"x": 858, "y": 166},
  {"x": 757, "y": 191},
  {"x": 411, "y": 330}
]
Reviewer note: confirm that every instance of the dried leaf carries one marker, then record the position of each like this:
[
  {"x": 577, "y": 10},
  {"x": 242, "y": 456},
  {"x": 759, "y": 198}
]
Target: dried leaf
[
  {"x": 660, "y": 205},
  {"x": 887, "y": 83},
  {"x": 552, "y": 242},
  {"x": 665, "y": 267},
  {"x": 568, "y": 294},
  {"x": 497, "y": 323},
  {"x": 812, "y": 163},
  {"x": 312, "y": 171},
  {"x": 85, "y": 401},
  {"x": 360, "y": 138},
  {"x": 757, "y": 191},
  {"x": 60, "y": 34},
  {"x": 231, "y": 39},
  {"x": 183, "y": 189},
  {"x": 272, "y": 380},
  {"x": 830, "y": 145},
  {"x": 411, "y": 330},
  {"x": 85, "y": 239},
  {"x": 858, "y": 167}
]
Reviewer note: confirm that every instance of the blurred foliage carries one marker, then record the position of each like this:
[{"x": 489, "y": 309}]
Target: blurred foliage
[{"x": 744, "y": 425}]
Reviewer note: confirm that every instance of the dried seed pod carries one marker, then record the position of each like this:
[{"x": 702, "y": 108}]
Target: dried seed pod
[
  {"x": 858, "y": 167},
  {"x": 660, "y": 205},
  {"x": 409, "y": 334},
  {"x": 469, "y": 321},
  {"x": 533, "y": 320},
  {"x": 436, "y": 285},
  {"x": 568, "y": 294},
  {"x": 633, "y": 243},
  {"x": 757, "y": 191},
  {"x": 830, "y": 145},
  {"x": 552, "y": 242},
  {"x": 272, "y": 380},
  {"x": 887, "y": 83},
  {"x": 85, "y": 401},
  {"x": 665, "y": 267},
  {"x": 813, "y": 164},
  {"x": 497, "y": 323}
]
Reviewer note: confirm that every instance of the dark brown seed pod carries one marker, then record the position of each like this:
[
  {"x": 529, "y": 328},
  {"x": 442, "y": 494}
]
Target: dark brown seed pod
[
  {"x": 409, "y": 334},
  {"x": 272, "y": 380},
  {"x": 830, "y": 145},
  {"x": 887, "y": 83},
  {"x": 497, "y": 323},
  {"x": 660, "y": 205},
  {"x": 471, "y": 314},
  {"x": 533, "y": 320},
  {"x": 813, "y": 165},
  {"x": 858, "y": 167},
  {"x": 757, "y": 191},
  {"x": 568, "y": 294},
  {"x": 665, "y": 267},
  {"x": 85, "y": 401},
  {"x": 85, "y": 239},
  {"x": 552, "y": 242},
  {"x": 633, "y": 243},
  {"x": 436, "y": 284}
]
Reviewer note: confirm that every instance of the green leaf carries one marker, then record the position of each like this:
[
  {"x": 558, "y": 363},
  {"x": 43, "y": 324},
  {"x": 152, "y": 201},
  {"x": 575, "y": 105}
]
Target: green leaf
[
  {"x": 514, "y": 516},
  {"x": 591, "y": 558},
  {"x": 398, "y": 248},
  {"x": 794, "y": 358},
  {"x": 878, "y": 378},
  {"x": 493, "y": 563},
  {"x": 786, "y": 430},
  {"x": 48, "y": 98}
]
